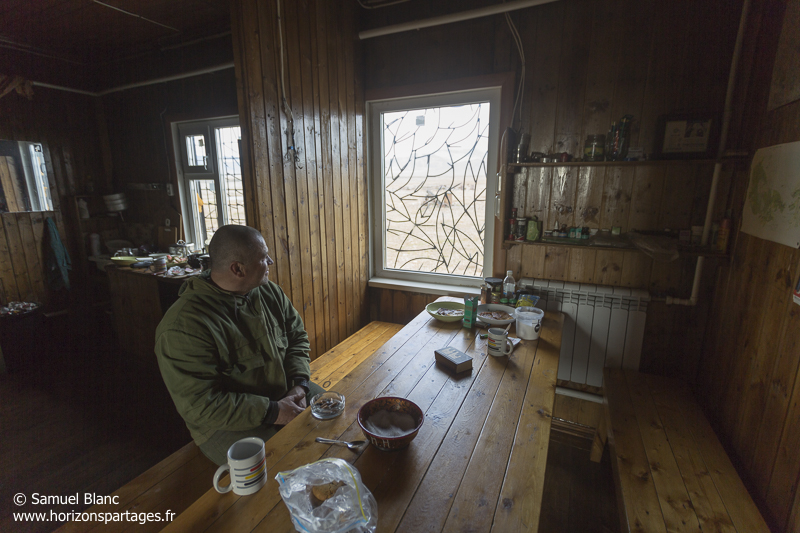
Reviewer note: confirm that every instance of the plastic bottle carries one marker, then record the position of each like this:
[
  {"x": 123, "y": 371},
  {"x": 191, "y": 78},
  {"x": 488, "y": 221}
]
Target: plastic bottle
[{"x": 509, "y": 285}]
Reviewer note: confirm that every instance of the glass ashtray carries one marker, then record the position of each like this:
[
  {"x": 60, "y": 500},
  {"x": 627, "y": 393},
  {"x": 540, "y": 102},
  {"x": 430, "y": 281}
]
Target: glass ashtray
[{"x": 327, "y": 405}]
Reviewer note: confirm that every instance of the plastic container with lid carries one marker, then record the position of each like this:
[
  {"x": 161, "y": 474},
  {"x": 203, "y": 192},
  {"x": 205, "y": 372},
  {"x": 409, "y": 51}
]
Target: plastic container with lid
[
  {"x": 529, "y": 322},
  {"x": 594, "y": 148}
]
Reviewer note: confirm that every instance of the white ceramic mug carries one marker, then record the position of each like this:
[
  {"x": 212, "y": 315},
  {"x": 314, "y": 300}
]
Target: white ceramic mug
[
  {"x": 247, "y": 464},
  {"x": 498, "y": 344}
]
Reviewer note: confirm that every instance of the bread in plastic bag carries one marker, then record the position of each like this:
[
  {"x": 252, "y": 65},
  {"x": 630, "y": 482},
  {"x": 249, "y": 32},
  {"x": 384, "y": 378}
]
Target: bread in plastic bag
[{"x": 349, "y": 507}]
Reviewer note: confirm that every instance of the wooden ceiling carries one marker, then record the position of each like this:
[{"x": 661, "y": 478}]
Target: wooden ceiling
[{"x": 84, "y": 32}]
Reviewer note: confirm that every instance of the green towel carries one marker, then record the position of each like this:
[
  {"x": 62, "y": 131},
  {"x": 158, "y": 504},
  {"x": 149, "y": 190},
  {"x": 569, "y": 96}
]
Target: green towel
[{"x": 57, "y": 262}]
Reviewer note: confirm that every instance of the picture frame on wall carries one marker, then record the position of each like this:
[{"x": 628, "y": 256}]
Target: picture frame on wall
[{"x": 686, "y": 136}]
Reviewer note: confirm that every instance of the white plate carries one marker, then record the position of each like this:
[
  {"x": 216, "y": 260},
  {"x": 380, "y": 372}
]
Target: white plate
[{"x": 496, "y": 307}]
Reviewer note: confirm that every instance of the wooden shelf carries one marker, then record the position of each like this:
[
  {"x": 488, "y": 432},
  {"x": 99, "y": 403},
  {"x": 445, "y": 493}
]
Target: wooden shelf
[
  {"x": 647, "y": 162},
  {"x": 689, "y": 252}
]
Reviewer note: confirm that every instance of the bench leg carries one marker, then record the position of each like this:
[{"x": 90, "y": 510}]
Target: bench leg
[{"x": 599, "y": 442}]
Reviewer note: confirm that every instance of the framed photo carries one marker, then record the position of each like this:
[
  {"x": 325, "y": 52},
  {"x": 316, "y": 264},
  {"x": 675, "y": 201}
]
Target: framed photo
[{"x": 687, "y": 136}]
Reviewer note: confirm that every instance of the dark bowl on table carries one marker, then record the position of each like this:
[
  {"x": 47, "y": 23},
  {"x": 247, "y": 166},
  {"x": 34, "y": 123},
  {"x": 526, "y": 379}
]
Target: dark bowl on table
[{"x": 391, "y": 404}]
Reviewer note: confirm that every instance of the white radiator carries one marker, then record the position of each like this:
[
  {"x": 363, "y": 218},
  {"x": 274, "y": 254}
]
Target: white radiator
[{"x": 603, "y": 326}]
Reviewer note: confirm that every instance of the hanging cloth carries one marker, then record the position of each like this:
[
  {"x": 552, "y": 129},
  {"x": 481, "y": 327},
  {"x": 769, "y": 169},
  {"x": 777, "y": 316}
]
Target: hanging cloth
[{"x": 57, "y": 261}]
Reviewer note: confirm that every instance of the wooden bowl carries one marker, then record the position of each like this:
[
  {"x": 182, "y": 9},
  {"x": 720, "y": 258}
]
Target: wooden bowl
[
  {"x": 431, "y": 308},
  {"x": 391, "y": 404}
]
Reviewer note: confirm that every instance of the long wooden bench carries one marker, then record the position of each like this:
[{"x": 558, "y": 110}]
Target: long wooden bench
[
  {"x": 180, "y": 479},
  {"x": 672, "y": 473}
]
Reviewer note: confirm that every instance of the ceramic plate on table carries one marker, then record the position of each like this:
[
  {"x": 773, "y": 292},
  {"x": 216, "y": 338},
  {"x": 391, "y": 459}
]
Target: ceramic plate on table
[
  {"x": 495, "y": 314},
  {"x": 446, "y": 311}
]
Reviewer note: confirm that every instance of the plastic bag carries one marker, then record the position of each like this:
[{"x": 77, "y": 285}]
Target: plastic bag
[
  {"x": 661, "y": 248},
  {"x": 352, "y": 508}
]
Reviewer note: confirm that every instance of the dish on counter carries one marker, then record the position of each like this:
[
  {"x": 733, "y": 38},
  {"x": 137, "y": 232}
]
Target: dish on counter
[
  {"x": 446, "y": 311},
  {"x": 496, "y": 314}
]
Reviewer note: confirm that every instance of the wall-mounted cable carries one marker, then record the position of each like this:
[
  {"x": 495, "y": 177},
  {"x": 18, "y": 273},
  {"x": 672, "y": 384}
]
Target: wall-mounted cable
[
  {"x": 291, "y": 151},
  {"x": 521, "y": 88}
]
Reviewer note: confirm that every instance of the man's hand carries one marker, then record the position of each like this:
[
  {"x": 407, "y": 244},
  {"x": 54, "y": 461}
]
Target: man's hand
[{"x": 291, "y": 405}]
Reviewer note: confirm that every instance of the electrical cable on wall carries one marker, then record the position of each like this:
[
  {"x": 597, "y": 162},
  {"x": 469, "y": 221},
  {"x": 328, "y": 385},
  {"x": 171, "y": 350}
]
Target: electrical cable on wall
[
  {"x": 521, "y": 88},
  {"x": 366, "y": 6},
  {"x": 290, "y": 130}
]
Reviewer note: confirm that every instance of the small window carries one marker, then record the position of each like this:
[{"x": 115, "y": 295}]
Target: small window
[
  {"x": 429, "y": 159},
  {"x": 210, "y": 182}
]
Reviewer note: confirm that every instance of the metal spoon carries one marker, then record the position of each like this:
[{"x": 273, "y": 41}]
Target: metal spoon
[{"x": 355, "y": 445}]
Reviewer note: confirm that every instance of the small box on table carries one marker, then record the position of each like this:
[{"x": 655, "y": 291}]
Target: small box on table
[{"x": 453, "y": 359}]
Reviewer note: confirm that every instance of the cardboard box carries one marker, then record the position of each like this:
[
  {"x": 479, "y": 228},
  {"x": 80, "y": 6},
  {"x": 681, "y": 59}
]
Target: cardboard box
[{"x": 453, "y": 359}]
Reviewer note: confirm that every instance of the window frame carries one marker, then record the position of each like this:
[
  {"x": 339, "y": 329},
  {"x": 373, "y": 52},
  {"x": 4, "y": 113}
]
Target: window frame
[
  {"x": 210, "y": 172},
  {"x": 375, "y": 107}
]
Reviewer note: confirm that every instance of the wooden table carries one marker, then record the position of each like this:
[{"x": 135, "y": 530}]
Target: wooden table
[{"x": 477, "y": 464}]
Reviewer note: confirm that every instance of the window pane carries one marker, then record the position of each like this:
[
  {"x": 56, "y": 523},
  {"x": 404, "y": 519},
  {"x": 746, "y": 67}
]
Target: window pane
[
  {"x": 196, "y": 150},
  {"x": 40, "y": 176},
  {"x": 434, "y": 164},
  {"x": 204, "y": 200},
  {"x": 230, "y": 173}
]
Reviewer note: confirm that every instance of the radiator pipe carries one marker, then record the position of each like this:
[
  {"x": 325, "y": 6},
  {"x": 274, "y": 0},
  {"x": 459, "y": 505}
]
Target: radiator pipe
[
  {"x": 723, "y": 139},
  {"x": 453, "y": 17},
  {"x": 563, "y": 391}
]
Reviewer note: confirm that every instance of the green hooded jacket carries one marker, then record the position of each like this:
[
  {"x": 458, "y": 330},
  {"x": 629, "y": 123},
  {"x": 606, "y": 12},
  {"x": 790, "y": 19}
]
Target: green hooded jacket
[{"x": 225, "y": 357}]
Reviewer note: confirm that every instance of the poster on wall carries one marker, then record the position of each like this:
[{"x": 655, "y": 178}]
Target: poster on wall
[
  {"x": 785, "y": 87},
  {"x": 772, "y": 206}
]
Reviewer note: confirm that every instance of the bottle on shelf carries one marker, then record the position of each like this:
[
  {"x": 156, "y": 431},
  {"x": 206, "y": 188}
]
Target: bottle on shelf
[{"x": 509, "y": 285}]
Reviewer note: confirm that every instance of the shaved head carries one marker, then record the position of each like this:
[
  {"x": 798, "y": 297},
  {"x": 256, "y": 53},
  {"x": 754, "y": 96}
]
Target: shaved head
[{"x": 235, "y": 243}]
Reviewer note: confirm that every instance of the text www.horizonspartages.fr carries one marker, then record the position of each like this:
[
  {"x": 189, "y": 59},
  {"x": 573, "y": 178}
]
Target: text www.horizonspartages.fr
[{"x": 85, "y": 516}]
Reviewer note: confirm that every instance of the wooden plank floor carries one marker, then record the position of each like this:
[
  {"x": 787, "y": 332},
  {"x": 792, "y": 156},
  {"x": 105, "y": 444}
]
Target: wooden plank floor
[{"x": 79, "y": 419}]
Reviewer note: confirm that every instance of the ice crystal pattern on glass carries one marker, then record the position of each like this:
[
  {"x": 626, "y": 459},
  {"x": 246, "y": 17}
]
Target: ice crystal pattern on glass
[{"x": 435, "y": 169}]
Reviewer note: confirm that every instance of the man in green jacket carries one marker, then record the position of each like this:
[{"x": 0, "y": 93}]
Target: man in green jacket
[{"x": 233, "y": 350}]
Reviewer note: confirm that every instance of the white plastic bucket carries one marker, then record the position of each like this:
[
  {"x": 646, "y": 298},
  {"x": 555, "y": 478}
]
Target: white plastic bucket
[{"x": 529, "y": 322}]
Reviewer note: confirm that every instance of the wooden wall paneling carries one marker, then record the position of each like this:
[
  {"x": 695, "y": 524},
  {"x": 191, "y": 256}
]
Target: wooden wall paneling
[
  {"x": 562, "y": 197},
  {"x": 543, "y": 90},
  {"x": 582, "y": 265},
  {"x": 742, "y": 333},
  {"x": 779, "y": 390},
  {"x": 633, "y": 55},
  {"x": 777, "y": 291},
  {"x": 608, "y": 267},
  {"x": 401, "y": 313},
  {"x": 527, "y": 27},
  {"x": 659, "y": 328},
  {"x": 297, "y": 192},
  {"x": 532, "y": 262},
  {"x": 345, "y": 173},
  {"x": 386, "y": 306},
  {"x": 15, "y": 199},
  {"x": 617, "y": 198},
  {"x": 636, "y": 269},
  {"x": 537, "y": 201},
  {"x": 16, "y": 250},
  {"x": 782, "y": 489},
  {"x": 556, "y": 263},
  {"x": 336, "y": 159},
  {"x": 589, "y": 196},
  {"x": 32, "y": 264},
  {"x": 514, "y": 260},
  {"x": 10, "y": 290},
  {"x": 254, "y": 156},
  {"x": 347, "y": 55},
  {"x": 576, "y": 36},
  {"x": 663, "y": 63},
  {"x": 322, "y": 138},
  {"x": 309, "y": 197},
  {"x": 362, "y": 191},
  {"x": 648, "y": 186},
  {"x": 607, "y": 41},
  {"x": 676, "y": 205}
]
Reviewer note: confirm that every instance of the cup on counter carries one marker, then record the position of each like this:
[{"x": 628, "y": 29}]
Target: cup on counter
[
  {"x": 247, "y": 465},
  {"x": 498, "y": 344},
  {"x": 159, "y": 262}
]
